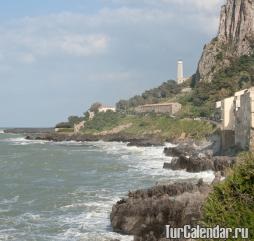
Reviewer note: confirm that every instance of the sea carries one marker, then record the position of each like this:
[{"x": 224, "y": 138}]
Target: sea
[{"x": 65, "y": 191}]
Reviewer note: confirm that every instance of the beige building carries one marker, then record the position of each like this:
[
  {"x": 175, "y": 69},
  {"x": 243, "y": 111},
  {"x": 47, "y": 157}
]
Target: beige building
[
  {"x": 170, "y": 108},
  {"x": 237, "y": 115}
]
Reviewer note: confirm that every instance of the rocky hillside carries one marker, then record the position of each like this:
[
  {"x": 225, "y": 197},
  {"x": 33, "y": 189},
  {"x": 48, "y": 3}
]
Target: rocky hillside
[{"x": 235, "y": 39}]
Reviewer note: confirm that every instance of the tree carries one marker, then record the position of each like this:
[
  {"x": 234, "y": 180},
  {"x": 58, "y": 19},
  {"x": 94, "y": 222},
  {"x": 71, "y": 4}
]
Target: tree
[
  {"x": 87, "y": 115},
  {"x": 95, "y": 107},
  {"x": 74, "y": 120},
  {"x": 63, "y": 125}
]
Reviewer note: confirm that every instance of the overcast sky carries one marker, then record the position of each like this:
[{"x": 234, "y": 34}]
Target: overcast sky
[{"x": 57, "y": 57}]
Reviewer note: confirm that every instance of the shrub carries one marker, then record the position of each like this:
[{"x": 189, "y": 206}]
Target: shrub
[
  {"x": 103, "y": 121},
  {"x": 231, "y": 204},
  {"x": 63, "y": 125}
]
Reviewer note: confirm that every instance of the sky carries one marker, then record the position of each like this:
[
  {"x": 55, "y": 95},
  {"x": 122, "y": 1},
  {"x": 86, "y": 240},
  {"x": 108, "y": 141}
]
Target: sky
[{"x": 58, "y": 57}]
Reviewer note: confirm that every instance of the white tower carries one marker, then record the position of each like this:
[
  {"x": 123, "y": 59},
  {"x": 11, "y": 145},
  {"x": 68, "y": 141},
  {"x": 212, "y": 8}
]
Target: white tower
[{"x": 180, "y": 78}]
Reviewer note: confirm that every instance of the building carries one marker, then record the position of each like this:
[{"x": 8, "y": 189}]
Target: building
[
  {"x": 170, "y": 108},
  {"x": 104, "y": 108},
  {"x": 237, "y": 119}
]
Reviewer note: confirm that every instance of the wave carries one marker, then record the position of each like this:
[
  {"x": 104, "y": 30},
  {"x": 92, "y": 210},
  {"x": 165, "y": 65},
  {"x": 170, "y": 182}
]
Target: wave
[
  {"x": 1, "y": 131},
  {"x": 95, "y": 218},
  {"x": 84, "y": 212},
  {"x": 23, "y": 141},
  {"x": 149, "y": 161},
  {"x": 10, "y": 201}
]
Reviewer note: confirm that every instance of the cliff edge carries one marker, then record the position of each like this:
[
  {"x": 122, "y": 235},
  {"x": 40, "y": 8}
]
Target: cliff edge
[{"x": 235, "y": 38}]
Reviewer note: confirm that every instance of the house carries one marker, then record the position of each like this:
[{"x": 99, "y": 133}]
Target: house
[
  {"x": 104, "y": 108},
  {"x": 237, "y": 119},
  {"x": 170, "y": 108}
]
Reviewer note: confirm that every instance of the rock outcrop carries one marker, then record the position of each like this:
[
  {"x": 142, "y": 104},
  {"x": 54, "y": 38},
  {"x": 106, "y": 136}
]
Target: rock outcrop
[
  {"x": 197, "y": 160},
  {"x": 235, "y": 38},
  {"x": 145, "y": 213}
]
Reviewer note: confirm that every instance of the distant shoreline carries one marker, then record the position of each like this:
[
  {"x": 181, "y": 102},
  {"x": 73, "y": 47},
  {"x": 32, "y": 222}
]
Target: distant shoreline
[{"x": 28, "y": 130}]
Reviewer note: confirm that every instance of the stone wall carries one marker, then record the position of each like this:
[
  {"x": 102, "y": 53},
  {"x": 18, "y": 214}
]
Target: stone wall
[
  {"x": 227, "y": 139},
  {"x": 243, "y": 122}
]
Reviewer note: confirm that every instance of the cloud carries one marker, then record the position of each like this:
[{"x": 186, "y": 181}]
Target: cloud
[
  {"x": 113, "y": 53},
  {"x": 83, "y": 35},
  {"x": 80, "y": 45},
  {"x": 26, "y": 58},
  {"x": 29, "y": 39},
  {"x": 201, "y": 5},
  {"x": 111, "y": 77},
  {"x": 186, "y": 5}
]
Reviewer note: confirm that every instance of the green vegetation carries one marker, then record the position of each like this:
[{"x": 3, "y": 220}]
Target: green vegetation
[
  {"x": 198, "y": 103},
  {"x": 149, "y": 124},
  {"x": 165, "y": 91},
  {"x": 232, "y": 202},
  {"x": 95, "y": 107},
  {"x": 66, "y": 130},
  {"x": 201, "y": 101},
  {"x": 239, "y": 75},
  {"x": 103, "y": 121},
  {"x": 63, "y": 125},
  {"x": 70, "y": 123}
]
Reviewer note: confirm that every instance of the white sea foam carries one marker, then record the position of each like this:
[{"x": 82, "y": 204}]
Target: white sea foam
[
  {"x": 95, "y": 218},
  {"x": 86, "y": 214},
  {"x": 1, "y": 131},
  {"x": 23, "y": 141},
  {"x": 150, "y": 161},
  {"x": 10, "y": 201}
]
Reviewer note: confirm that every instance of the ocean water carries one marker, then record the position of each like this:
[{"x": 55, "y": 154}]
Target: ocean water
[{"x": 65, "y": 191}]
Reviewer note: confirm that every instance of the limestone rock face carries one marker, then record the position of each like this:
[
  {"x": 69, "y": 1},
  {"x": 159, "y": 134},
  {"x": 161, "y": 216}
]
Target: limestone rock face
[{"x": 235, "y": 38}]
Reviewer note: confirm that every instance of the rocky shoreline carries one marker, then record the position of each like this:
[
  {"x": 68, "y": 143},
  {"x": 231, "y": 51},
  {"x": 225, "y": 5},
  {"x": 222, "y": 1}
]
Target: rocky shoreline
[
  {"x": 144, "y": 213},
  {"x": 29, "y": 130},
  {"x": 197, "y": 160},
  {"x": 149, "y": 140},
  {"x": 188, "y": 154}
]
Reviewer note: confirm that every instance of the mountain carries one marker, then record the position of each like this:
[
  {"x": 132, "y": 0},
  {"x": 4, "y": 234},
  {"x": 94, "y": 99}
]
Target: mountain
[{"x": 235, "y": 39}]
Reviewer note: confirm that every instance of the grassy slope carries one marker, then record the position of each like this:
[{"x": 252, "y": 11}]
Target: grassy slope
[
  {"x": 232, "y": 202},
  {"x": 163, "y": 126}
]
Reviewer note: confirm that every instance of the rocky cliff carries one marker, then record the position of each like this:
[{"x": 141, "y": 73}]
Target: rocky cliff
[{"x": 235, "y": 38}]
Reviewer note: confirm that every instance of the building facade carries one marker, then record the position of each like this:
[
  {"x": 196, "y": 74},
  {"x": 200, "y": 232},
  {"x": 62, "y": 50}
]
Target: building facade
[
  {"x": 237, "y": 119},
  {"x": 169, "y": 108}
]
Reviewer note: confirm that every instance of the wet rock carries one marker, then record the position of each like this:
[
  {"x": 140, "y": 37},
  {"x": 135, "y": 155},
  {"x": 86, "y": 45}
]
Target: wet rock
[
  {"x": 193, "y": 159},
  {"x": 146, "y": 142},
  {"x": 190, "y": 164},
  {"x": 221, "y": 163}
]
